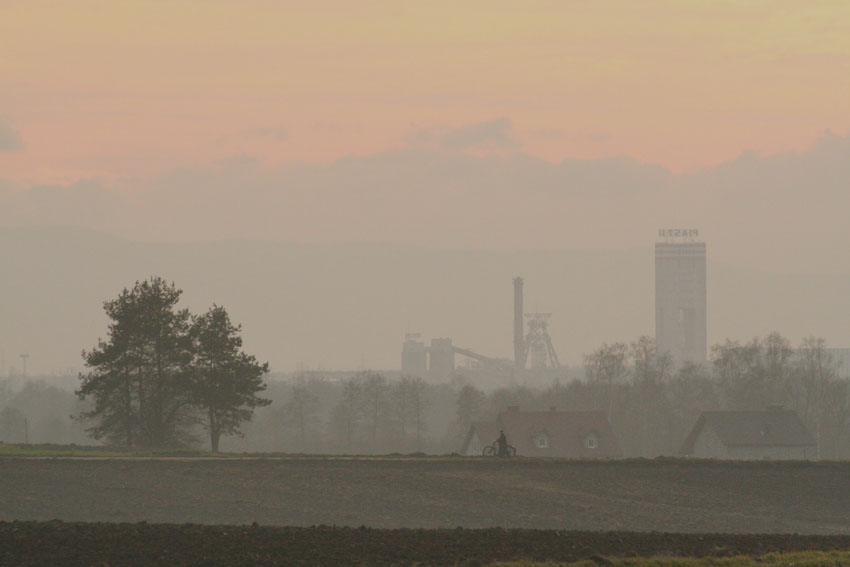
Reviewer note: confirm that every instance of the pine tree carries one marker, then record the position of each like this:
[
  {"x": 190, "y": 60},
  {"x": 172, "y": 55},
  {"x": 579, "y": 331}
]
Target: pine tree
[
  {"x": 225, "y": 381},
  {"x": 138, "y": 379}
]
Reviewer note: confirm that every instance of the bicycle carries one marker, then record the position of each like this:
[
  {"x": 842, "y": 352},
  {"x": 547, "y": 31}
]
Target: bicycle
[{"x": 492, "y": 450}]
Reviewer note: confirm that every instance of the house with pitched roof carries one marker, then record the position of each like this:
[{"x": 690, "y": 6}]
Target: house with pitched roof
[
  {"x": 775, "y": 433},
  {"x": 552, "y": 433}
]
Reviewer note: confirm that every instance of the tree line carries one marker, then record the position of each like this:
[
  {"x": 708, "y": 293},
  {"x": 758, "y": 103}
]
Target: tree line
[
  {"x": 367, "y": 412},
  {"x": 652, "y": 403},
  {"x": 162, "y": 372}
]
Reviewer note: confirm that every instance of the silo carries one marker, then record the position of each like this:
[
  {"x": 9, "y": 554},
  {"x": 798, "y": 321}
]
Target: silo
[
  {"x": 442, "y": 355},
  {"x": 414, "y": 358}
]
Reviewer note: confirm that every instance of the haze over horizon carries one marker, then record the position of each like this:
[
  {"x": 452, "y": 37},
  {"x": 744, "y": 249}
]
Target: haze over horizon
[
  {"x": 347, "y": 306},
  {"x": 455, "y": 135}
]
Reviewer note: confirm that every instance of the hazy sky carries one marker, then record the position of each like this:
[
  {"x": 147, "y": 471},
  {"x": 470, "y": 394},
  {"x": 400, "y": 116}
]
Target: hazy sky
[
  {"x": 561, "y": 125},
  {"x": 119, "y": 89},
  {"x": 460, "y": 125}
]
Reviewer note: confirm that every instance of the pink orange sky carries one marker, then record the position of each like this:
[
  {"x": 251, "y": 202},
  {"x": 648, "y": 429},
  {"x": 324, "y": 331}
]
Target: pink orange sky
[{"x": 118, "y": 89}]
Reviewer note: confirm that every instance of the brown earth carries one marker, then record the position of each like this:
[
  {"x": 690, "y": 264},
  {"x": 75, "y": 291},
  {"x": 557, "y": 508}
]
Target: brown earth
[
  {"x": 650, "y": 495},
  {"x": 57, "y": 543}
]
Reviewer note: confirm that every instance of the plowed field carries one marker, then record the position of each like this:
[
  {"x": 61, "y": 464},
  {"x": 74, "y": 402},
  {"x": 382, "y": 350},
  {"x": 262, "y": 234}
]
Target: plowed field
[
  {"x": 57, "y": 543},
  {"x": 662, "y": 495}
]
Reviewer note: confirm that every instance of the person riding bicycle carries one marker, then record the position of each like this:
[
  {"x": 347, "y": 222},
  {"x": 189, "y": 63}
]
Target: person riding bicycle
[{"x": 502, "y": 442}]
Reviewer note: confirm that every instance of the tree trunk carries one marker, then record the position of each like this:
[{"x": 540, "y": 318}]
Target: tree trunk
[
  {"x": 215, "y": 432},
  {"x": 128, "y": 408}
]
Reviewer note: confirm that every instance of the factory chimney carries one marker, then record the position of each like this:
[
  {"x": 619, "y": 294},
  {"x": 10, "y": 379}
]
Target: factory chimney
[{"x": 519, "y": 326}]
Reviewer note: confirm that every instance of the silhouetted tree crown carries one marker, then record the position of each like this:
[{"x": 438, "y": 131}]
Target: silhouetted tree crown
[
  {"x": 161, "y": 371},
  {"x": 139, "y": 378},
  {"x": 225, "y": 381}
]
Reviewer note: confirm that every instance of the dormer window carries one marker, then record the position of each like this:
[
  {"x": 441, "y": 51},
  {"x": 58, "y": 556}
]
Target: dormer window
[
  {"x": 541, "y": 441},
  {"x": 591, "y": 441}
]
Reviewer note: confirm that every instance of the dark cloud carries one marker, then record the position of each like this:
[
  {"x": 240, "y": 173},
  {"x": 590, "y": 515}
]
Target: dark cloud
[
  {"x": 278, "y": 133},
  {"x": 552, "y": 134},
  {"x": 493, "y": 134},
  {"x": 10, "y": 140},
  {"x": 765, "y": 208},
  {"x": 420, "y": 138},
  {"x": 558, "y": 134}
]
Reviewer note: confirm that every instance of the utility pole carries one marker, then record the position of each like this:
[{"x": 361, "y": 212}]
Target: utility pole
[{"x": 24, "y": 358}]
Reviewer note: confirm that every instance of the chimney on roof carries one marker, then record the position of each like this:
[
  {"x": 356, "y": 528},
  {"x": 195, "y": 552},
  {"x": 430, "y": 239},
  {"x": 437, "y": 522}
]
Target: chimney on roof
[{"x": 513, "y": 409}]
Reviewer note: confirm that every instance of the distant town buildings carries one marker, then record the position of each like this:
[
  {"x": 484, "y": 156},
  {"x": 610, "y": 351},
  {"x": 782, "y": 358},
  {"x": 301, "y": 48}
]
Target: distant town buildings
[{"x": 680, "y": 295}]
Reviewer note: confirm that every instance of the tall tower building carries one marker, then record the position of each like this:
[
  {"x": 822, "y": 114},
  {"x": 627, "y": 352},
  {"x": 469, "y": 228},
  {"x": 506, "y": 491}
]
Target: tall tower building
[{"x": 680, "y": 295}]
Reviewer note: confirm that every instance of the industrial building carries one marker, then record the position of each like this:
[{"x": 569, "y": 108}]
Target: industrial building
[
  {"x": 414, "y": 356},
  {"x": 680, "y": 295},
  {"x": 438, "y": 360}
]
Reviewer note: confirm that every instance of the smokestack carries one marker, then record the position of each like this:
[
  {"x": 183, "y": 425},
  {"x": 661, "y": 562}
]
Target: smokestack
[{"x": 519, "y": 326}]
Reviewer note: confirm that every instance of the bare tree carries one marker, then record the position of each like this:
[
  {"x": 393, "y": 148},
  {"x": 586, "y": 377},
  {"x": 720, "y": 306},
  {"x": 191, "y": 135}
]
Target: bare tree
[
  {"x": 650, "y": 372},
  {"x": 408, "y": 406},
  {"x": 502, "y": 398},
  {"x": 649, "y": 366},
  {"x": 301, "y": 410},
  {"x": 836, "y": 420},
  {"x": 777, "y": 356},
  {"x": 817, "y": 369},
  {"x": 607, "y": 364},
  {"x": 375, "y": 390},
  {"x": 469, "y": 405},
  {"x": 348, "y": 413},
  {"x": 13, "y": 425},
  {"x": 418, "y": 404},
  {"x": 755, "y": 374},
  {"x": 605, "y": 368}
]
